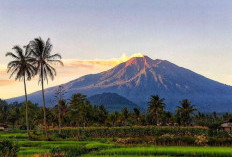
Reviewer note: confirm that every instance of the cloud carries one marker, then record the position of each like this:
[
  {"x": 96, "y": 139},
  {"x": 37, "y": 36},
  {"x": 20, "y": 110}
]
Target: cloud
[
  {"x": 75, "y": 68},
  {"x": 90, "y": 64},
  {"x": 2, "y": 69},
  {"x": 72, "y": 69},
  {"x": 6, "y": 82}
]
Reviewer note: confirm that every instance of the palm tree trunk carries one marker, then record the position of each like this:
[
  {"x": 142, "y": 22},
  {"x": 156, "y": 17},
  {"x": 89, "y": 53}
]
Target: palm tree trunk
[
  {"x": 27, "y": 123},
  {"x": 44, "y": 108}
]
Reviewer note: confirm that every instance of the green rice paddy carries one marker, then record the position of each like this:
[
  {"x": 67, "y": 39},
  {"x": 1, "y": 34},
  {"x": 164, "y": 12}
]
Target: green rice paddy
[{"x": 102, "y": 147}]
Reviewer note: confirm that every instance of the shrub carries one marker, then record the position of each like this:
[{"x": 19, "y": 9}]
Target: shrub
[
  {"x": 56, "y": 152},
  {"x": 59, "y": 136},
  {"x": 133, "y": 131},
  {"x": 8, "y": 148},
  {"x": 214, "y": 141},
  {"x": 131, "y": 141},
  {"x": 201, "y": 140},
  {"x": 70, "y": 151}
]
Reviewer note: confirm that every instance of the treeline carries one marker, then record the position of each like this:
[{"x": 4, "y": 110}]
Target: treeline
[{"x": 79, "y": 112}]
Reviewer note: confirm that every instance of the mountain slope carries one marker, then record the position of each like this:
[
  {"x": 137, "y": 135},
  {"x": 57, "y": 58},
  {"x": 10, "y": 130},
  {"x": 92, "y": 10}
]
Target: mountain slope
[
  {"x": 141, "y": 77},
  {"x": 112, "y": 101}
]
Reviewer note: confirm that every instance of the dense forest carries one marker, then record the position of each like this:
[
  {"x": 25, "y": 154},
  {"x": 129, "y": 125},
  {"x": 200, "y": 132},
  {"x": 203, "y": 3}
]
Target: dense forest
[{"x": 79, "y": 112}]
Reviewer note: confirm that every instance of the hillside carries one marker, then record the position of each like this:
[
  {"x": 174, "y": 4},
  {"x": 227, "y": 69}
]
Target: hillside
[{"x": 112, "y": 101}]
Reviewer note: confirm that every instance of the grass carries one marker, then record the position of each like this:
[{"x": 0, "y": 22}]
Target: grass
[
  {"x": 104, "y": 148},
  {"x": 168, "y": 151}
]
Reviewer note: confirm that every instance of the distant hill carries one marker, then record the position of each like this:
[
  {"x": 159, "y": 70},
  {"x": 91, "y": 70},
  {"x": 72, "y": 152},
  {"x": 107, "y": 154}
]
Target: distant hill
[
  {"x": 140, "y": 77},
  {"x": 112, "y": 101}
]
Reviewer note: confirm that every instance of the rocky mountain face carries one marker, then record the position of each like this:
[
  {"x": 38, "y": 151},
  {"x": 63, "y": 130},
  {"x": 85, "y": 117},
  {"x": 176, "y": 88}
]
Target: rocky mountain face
[{"x": 141, "y": 77}]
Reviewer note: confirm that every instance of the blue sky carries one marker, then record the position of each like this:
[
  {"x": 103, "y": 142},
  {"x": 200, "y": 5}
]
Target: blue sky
[{"x": 194, "y": 34}]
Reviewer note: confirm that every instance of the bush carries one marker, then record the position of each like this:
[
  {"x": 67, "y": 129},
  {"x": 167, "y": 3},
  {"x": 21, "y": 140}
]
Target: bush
[
  {"x": 158, "y": 135},
  {"x": 59, "y": 136},
  {"x": 162, "y": 140},
  {"x": 137, "y": 131},
  {"x": 214, "y": 141},
  {"x": 70, "y": 151},
  {"x": 201, "y": 140},
  {"x": 8, "y": 148},
  {"x": 129, "y": 140}
]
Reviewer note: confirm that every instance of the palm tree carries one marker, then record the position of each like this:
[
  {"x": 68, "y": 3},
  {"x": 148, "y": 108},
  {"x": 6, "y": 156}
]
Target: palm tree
[
  {"x": 156, "y": 107},
  {"x": 185, "y": 111},
  {"x": 22, "y": 67},
  {"x": 43, "y": 62}
]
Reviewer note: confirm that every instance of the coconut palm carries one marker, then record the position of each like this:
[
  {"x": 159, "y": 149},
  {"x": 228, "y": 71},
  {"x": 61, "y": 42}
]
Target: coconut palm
[
  {"x": 185, "y": 111},
  {"x": 21, "y": 66},
  {"x": 43, "y": 62},
  {"x": 156, "y": 107}
]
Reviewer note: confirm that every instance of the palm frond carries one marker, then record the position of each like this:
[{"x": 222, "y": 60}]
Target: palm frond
[
  {"x": 42, "y": 54},
  {"x": 20, "y": 65},
  {"x": 56, "y": 62},
  {"x": 19, "y": 51},
  {"x": 12, "y": 55}
]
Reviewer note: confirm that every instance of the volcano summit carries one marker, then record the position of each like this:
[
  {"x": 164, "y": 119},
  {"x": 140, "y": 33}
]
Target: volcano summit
[{"x": 140, "y": 77}]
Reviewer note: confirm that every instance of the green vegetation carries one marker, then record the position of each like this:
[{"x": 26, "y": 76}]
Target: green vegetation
[
  {"x": 105, "y": 147},
  {"x": 79, "y": 112},
  {"x": 137, "y": 131},
  {"x": 169, "y": 151},
  {"x": 8, "y": 148},
  {"x": 76, "y": 127}
]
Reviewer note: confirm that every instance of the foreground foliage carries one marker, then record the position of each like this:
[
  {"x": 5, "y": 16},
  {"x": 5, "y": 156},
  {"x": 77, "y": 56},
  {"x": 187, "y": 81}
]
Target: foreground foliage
[
  {"x": 135, "y": 131},
  {"x": 104, "y": 147},
  {"x": 8, "y": 148}
]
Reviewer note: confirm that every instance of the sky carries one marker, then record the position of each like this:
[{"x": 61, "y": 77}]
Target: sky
[{"x": 95, "y": 35}]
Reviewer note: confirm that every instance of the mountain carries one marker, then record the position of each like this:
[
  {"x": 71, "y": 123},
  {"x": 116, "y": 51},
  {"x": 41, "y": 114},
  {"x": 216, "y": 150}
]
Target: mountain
[
  {"x": 112, "y": 101},
  {"x": 140, "y": 77}
]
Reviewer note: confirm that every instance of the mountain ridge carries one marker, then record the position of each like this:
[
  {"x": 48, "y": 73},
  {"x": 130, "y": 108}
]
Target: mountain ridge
[
  {"x": 140, "y": 77},
  {"x": 112, "y": 101}
]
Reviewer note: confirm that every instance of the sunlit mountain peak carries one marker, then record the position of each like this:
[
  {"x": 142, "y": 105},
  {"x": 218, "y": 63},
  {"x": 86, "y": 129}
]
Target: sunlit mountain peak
[{"x": 125, "y": 58}]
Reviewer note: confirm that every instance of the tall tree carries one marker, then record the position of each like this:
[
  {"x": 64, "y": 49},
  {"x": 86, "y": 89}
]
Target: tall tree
[
  {"x": 137, "y": 115},
  {"x": 114, "y": 117},
  {"x": 77, "y": 109},
  {"x": 78, "y": 105},
  {"x": 32, "y": 114},
  {"x": 21, "y": 66},
  {"x": 4, "y": 111},
  {"x": 125, "y": 115},
  {"x": 14, "y": 114},
  {"x": 102, "y": 114},
  {"x": 59, "y": 95},
  {"x": 43, "y": 61},
  {"x": 156, "y": 107},
  {"x": 185, "y": 111}
]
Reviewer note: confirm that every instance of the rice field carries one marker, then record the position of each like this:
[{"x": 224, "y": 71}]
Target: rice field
[
  {"x": 103, "y": 147},
  {"x": 168, "y": 151}
]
